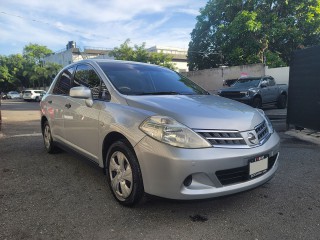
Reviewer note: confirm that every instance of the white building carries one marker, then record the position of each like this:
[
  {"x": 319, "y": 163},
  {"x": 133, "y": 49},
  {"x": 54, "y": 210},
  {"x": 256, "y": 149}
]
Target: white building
[
  {"x": 72, "y": 54},
  {"x": 179, "y": 56}
]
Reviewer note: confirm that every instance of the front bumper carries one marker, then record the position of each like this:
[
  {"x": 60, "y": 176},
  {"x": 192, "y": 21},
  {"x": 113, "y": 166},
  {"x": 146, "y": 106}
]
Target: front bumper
[{"x": 165, "y": 168}]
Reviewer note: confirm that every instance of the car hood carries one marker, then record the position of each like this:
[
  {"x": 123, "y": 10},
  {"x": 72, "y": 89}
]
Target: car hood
[{"x": 200, "y": 111}]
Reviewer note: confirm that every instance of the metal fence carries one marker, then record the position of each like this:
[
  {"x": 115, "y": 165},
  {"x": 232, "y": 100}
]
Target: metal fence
[{"x": 304, "y": 89}]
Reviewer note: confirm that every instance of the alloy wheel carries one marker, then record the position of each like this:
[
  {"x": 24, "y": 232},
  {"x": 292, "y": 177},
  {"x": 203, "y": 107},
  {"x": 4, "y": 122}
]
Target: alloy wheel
[{"x": 121, "y": 177}]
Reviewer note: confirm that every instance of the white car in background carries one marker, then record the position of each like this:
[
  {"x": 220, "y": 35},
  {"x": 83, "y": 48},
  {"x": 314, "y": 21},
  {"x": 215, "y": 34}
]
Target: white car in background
[
  {"x": 13, "y": 95},
  {"x": 33, "y": 95}
]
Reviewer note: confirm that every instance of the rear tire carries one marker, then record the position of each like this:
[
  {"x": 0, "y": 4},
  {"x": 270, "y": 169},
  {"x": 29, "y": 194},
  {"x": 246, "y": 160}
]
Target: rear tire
[
  {"x": 37, "y": 99},
  {"x": 47, "y": 138},
  {"x": 282, "y": 101},
  {"x": 124, "y": 174}
]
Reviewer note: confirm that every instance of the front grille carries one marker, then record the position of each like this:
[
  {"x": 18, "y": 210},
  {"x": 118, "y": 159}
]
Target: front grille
[
  {"x": 234, "y": 138},
  {"x": 262, "y": 131},
  {"x": 239, "y": 175},
  {"x": 232, "y": 94},
  {"x": 216, "y": 137}
]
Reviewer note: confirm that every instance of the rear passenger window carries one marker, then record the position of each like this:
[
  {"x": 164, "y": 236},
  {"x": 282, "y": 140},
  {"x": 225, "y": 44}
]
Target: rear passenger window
[
  {"x": 87, "y": 77},
  {"x": 63, "y": 84}
]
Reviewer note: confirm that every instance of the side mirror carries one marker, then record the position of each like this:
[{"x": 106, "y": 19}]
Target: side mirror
[
  {"x": 80, "y": 92},
  {"x": 263, "y": 84},
  {"x": 83, "y": 93}
]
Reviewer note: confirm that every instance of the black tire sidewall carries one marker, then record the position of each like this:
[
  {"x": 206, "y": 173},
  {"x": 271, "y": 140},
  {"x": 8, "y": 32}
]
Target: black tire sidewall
[
  {"x": 51, "y": 147},
  {"x": 282, "y": 102},
  {"x": 256, "y": 102},
  {"x": 137, "y": 189}
]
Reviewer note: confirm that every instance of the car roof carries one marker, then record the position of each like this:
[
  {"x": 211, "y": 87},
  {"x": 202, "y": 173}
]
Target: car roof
[{"x": 111, "y": 61}]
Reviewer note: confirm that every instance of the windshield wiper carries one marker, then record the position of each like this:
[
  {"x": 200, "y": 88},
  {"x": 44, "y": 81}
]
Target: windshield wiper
[{"x": 158, "y": 93}]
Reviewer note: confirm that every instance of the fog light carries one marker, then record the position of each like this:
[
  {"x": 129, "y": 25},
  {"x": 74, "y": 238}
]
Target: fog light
[{"x": 187, "y": 182}]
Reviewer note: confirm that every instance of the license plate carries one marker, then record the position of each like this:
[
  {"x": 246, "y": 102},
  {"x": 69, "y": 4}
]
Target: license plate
[{"x": 258, "y": 166}]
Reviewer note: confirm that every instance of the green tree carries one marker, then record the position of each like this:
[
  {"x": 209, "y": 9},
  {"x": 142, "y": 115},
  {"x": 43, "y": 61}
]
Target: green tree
[
  {"x": 11, "y": 72},
  {"x": 234, "y": 32},
  {"x": 35, "y": 52},
  {"x": 124, "y": 52},
  {"x": 39, "y": 75},
  {"x": 22, "y": 71},
  {"x": 140, "y": 54},
  {"x": 161, "y": 59}
]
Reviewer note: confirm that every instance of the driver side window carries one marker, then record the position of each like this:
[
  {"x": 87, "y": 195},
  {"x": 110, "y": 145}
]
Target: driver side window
[
  {"x": 265, "y": 82},
  {"x": 86, "y": 76}
]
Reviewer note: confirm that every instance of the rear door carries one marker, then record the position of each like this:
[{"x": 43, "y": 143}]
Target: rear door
[
  {"x": 55, "y": 104},
  {"x": 265, "y": 91},
  {"x": 274, "y": 91},
  {"x": 82, "y": 122}
]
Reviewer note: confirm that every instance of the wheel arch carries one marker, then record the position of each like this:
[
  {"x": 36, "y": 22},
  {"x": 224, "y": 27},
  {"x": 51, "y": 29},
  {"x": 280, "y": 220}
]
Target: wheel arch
[
  {"x": 257, "y": 96},
  {"x": 107, "y": 142},
  {"x": 283, "y": 93}
]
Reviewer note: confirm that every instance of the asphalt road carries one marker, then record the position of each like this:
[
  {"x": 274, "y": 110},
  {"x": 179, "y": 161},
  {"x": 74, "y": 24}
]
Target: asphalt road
[{"x": 62, "y": 196}]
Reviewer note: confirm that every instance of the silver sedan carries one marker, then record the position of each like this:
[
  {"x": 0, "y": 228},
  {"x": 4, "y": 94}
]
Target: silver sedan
[{"x": 154, "y": 131}]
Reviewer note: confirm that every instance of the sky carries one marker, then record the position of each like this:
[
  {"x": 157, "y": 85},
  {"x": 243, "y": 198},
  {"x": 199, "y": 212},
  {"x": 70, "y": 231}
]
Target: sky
[{"x": 96, "y": 23}]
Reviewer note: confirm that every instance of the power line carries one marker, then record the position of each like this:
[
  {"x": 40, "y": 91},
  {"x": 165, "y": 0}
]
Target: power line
[
  {"x": 205, "y": 54},
  {"x": 55, "y": 25}
]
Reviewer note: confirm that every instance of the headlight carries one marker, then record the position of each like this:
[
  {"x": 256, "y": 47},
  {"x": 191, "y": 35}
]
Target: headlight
[
  {"x": 269, "y": 124},
  {"x": 168, "y": 130},
  {"x": 246, "y": 93}
]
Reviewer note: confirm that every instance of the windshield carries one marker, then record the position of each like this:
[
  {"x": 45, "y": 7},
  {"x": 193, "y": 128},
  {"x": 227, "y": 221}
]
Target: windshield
[
  {"x": 140, "y": 79},
  {"x": 247, "y": 82}
]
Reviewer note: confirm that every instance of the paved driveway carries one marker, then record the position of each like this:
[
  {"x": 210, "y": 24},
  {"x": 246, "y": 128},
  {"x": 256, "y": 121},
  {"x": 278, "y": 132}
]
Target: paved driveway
[{"x": 62, "y": 196}]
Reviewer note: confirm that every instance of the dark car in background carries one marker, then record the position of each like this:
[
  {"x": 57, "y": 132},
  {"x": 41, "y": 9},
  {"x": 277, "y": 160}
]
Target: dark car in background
[{"x": 257, "y": 92}]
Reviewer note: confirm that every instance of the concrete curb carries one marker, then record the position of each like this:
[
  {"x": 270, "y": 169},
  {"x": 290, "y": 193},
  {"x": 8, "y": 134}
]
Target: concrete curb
[{"x": 313, "y": 137}]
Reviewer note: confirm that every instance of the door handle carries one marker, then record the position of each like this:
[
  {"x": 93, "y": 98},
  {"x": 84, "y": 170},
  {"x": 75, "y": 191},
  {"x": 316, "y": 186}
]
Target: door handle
[
  {"x": 68, "y": 105},
  {"x": 49, "y": 101}
]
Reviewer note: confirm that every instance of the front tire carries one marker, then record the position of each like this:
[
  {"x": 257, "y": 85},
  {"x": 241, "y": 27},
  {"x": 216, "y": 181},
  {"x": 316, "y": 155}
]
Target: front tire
[
  {"x": 282, "y": 102},
  {"x": 124, "y": 174},
  {"x": 257, "y": 102}
]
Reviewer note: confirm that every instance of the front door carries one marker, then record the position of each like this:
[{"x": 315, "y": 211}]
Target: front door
[{"x": 82, "y": 122}]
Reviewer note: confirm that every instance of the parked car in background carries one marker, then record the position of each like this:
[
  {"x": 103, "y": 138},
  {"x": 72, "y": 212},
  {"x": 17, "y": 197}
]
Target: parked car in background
[
  {"x": 257, "y": 91},
  {"x": 33, "y": 95},
  {"x": 13, "y": 95},
  {"x": 154, "y": 131},
  {"x": 229, "y": 82},
  {"x": 21, "y": 94},
  {"x": 3, "y": 95}
]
